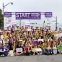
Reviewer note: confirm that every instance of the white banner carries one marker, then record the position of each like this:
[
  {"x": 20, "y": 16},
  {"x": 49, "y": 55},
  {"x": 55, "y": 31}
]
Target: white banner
[{"x": 7, "y": 22}]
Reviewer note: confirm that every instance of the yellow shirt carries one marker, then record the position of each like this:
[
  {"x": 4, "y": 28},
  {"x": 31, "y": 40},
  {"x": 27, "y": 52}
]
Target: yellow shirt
[
  {"x": 54, "y": 47},
  {"x": 22, "y": 42},
  {"x": 48, "y": 47},
  {"x": 40, "y": 45},
  {"x": 4, "y": 36},
  {"x": 14, "y": 49},
  {"x": 34, "y": 49},
  {"x": 10, "y": 35},
  {"x": 43, "y": 47}
]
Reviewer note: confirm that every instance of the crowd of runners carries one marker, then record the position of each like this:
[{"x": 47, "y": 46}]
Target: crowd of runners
[{"x": 23, "y": 41}]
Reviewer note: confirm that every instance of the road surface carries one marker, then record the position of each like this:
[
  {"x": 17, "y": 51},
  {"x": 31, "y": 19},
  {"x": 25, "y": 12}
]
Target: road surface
[{"x": 37, "y": 58}]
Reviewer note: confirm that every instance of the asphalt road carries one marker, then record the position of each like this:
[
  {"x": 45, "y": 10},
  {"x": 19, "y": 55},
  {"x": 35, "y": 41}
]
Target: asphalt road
[{"x": 37, "y": 58}]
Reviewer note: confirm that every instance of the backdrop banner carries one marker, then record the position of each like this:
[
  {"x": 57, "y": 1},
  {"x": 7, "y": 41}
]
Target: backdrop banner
[
  {"x": 7, "y": 14},
  {"x": 27, "y": 15},
  {"x": 48, "y": 14}
]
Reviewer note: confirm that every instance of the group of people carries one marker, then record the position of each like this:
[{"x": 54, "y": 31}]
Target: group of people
[{"x": 19, "y": 41}]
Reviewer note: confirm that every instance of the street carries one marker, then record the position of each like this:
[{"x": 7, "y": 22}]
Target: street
[{"x": 37, "y": 58}]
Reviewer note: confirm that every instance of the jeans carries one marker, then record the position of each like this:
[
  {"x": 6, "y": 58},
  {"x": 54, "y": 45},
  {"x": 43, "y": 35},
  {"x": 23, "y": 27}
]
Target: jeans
[
  {"x": 5, "y": 53},
  {"x": 50, "y": 51},
  {"x": 44, "y": 52},
  {"x": 54, "y": 51}
]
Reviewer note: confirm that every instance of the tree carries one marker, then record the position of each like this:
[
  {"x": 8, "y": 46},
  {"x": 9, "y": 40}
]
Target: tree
[
  {"x": 60, "y": 29},
  {"x": 1, "y": 19}
]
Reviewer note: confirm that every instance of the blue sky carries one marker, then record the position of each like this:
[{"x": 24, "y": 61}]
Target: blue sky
[{"x": 54, "y": 6}]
